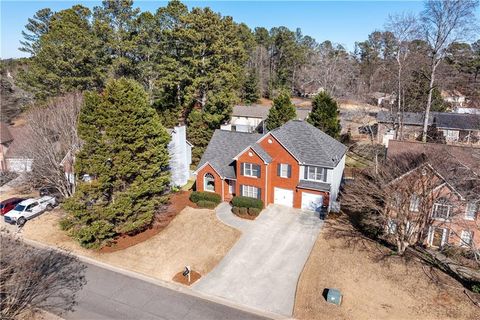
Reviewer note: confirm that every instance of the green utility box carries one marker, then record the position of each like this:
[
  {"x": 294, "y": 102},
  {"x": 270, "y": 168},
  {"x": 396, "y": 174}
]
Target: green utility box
[{"x": 334, "y": 296}]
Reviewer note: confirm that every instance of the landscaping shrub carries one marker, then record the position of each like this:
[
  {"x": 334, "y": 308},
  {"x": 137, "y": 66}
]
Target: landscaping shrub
[
  {"x": 197, "y": 196},
  {"x": 242, "y": 211},
  {"x": 254, "y": 211},
  {"x": 246, "y": 202},
  {"x": 206, "y": 204},
  {"x": 236, "y": 210}
]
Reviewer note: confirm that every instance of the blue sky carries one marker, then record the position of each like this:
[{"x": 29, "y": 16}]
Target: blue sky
[{"x": 339, "y": 21}]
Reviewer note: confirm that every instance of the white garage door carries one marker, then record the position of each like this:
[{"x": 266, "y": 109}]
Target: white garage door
[
  {"x": 283, "y": 197},
  {"x": 311, "y": 201}
]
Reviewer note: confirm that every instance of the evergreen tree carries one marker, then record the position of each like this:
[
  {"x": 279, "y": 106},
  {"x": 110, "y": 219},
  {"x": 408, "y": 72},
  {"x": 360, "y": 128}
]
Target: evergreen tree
[
  {"x": 66, "y": 59},
  {"x": 36, "y": 27},
  {"x": 250, "y": 89},
  {"x": 416, "y": 94},
  {"x": 125, "y": 152},
  {"x": 324, "y": 115},
  {"x": 282, "y": 111}
]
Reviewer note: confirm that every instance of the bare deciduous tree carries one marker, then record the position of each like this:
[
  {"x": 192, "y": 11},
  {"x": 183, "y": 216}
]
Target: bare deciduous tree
[
  {"x": 404, "y": 27},
  {"x": 52, "y": 140},
  {"x": 33, "y": 279},
  {"x": 444, "y": 22}
]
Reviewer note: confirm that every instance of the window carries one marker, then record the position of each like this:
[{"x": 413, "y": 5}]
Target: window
[
  {"x": 391, "y": 226},
  {"x": 251, "y": 170},
  {"x": 284, "y": 170},
  {"x": 250, "y": 191},
  {"x": 315, "y": 173},
  {"x": 414, "y": 203},
  {"x": 438, "y": 236},
  {"x": 442, "y": 209},
  {"x": 471, "y": 211},
  {"x": 209, "y": 182},
  {"x": 466, "y": 238}
]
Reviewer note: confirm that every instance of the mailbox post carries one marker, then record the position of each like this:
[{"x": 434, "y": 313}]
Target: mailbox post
[{"x": 186, "y": 273}]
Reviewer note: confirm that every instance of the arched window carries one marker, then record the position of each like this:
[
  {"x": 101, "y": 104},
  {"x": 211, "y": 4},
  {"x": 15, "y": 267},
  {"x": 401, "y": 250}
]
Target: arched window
[{"x": 209, "y": 182}]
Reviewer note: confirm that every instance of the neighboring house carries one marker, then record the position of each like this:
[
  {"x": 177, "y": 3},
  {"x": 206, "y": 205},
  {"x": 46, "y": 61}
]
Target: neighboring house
[
  {"x": 456, "y": 127},
  {"x": 455, "y": 212},
  {"x": 14, "y": 156},
  {"x": 454, "y": 97},
  {"x": 295, "y": 165},
  {"x": 6, "y": 139},
  {"x": 180, "y": 151},
  {"x": 252, "y": 118},
  {"x": 382, "y": 99}
]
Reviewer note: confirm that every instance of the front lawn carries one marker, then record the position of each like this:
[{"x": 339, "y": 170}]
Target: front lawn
[{"x": 374, "y": 284}]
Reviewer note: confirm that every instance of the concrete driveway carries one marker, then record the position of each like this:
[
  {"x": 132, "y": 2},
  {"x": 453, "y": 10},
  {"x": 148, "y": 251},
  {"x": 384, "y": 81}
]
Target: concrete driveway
[{"x": 262, "y": 269}]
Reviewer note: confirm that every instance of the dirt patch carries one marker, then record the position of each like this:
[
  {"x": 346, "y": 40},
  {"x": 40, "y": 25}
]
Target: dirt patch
[
  {"x": 178, "y": 202},
  {"x": 374, "y": 284},
  {"x": 195, "y": 237},
  {"x": 180, "y": 278}
]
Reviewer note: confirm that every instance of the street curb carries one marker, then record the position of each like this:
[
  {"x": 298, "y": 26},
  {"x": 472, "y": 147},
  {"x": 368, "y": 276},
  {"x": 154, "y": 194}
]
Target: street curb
[{"x": 162, "y": 283}]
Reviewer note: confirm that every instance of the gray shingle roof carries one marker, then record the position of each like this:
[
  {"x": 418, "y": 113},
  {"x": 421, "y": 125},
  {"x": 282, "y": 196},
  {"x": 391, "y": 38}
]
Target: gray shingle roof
[
  {"x": 444, "y": 120},
  {"x": 223, "y": 147},
  {"x": 321, "y": 186},
  {"x": 309, "y": 144},
  {"x": 259, "y": 111},
  {"x": 262, "y": 153}
]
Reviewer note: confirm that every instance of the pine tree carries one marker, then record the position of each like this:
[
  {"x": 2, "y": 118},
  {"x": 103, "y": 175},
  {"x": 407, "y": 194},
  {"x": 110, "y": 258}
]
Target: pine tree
[
  {"x": 250, "y": 89},
  {"x": 282, "y": 111},
  {"x": 66, "y": 56},
  {"x": 125, "y": 152},
  {"x": 324, "y": 115}
]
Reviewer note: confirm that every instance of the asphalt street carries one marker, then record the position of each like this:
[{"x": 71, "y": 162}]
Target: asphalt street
[{"x": 111, "y": 295}]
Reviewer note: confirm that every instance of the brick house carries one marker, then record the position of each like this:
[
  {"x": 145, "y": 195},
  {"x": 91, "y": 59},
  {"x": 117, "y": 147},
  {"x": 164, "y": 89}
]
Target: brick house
[
  {"x": 295, "y": 165},
  {"x": 453, "y": 172}
]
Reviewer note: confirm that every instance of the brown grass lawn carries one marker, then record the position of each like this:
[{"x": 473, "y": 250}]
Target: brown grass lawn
[
  {"x": 374, "y": 284},
  {"x": 194, "y": 237}
]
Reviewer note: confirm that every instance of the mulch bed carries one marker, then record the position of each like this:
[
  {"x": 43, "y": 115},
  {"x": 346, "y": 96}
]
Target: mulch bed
[
  {"x": 180, "y": 278},
  {"x": 245, "y": 216},
  {"x": 178, "y": 201}
]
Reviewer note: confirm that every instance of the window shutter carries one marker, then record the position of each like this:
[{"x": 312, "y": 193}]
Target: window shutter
[
  {"x": 241, "y": 168},
  {"x": 259, "y": 170},
  {"x": 241, "y": 190},
  {"x": 259, "y": 193},
  {"x": 305, "y": 172},
  {"x": 289, "y": 171},
  {"x": 279, "y": 168}
]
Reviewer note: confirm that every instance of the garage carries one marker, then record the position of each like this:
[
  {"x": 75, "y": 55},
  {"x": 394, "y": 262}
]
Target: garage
[
  {"x": 283, "y": 197},
  {"x": 312, "y": 201}
]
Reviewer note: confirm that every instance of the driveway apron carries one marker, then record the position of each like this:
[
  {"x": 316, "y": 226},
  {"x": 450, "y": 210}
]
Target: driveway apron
[{"x": 262, "y": 269}]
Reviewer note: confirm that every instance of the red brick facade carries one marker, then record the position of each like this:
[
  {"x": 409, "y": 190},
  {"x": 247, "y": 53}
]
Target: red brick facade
[{"x": 268, "y": 179}]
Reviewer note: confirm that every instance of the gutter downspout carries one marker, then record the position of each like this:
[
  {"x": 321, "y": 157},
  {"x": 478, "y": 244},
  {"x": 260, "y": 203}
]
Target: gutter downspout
[
  {"x": 223, "y": 194},
  {"x": 266, "y": 186}
]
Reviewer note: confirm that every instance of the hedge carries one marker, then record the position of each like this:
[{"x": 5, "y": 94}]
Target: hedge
[
  {"x": 243, "y": 211},
  {"x": 236, "y": 210},
  {"x": 206, "y": 204},
  {"x": 197, "y": 196},
  {"x": 246, "y": 202},
  {"x": 254, "y": 211}
]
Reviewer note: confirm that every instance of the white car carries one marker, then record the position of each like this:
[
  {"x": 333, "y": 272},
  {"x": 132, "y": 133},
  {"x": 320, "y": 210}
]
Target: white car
[{"x": 29, "y": 209}]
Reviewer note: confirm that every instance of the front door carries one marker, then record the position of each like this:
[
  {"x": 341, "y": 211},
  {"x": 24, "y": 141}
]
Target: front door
[
  {"x": 231, "y": 186},
  {"x": 438, "y": 237}
]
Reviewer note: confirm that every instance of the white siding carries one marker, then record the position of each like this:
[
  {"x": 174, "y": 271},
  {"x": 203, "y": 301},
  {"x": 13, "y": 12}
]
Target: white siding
[
  {"x": 336, "y": 179},
  {"x": 180, "y": 156}
]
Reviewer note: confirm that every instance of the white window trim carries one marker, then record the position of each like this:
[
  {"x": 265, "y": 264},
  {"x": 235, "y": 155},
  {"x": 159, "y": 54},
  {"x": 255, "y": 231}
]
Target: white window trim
[
  {"x": 435, "y": 205},
  {"x": 282, "y": 166},
  {"x": 250, "y": 191},
  {"x": 463, "y": 243},
  {"x": 414, "y": 203},
  {"x": 324, "y": 175},
  {"x": 205, "y": 182},
  {"x": 475, "y": 208},
  {"x": 251, "y": 170}
]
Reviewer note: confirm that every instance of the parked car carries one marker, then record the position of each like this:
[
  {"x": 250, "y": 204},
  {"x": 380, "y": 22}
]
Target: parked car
[
  {"x": 48, "y": 191},
  {"x": 9, "y": 204},
  {"x": 29, "y": 209}
]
